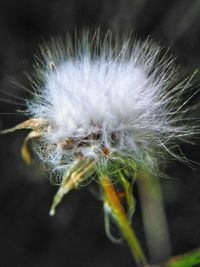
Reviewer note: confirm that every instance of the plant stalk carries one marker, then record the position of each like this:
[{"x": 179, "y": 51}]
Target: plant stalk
[
  {"x": 118, "y": 212},
  {"x": 154, "y": 218}
]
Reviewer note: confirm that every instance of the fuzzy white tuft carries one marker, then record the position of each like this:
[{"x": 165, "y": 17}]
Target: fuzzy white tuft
[{"x": 98, "y": 93}]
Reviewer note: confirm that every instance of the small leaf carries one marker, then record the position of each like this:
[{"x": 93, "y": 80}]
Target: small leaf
[
  {"x": 78, "y": 173},
  {"x": 187, "y": 260}
]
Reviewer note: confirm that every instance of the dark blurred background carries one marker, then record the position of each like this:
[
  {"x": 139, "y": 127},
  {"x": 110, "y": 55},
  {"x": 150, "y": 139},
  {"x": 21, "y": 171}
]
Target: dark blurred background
[{"x": 75, "y": 236}]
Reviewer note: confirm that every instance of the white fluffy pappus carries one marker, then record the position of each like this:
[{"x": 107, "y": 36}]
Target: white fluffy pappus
[{"x": 100, "y": 96}]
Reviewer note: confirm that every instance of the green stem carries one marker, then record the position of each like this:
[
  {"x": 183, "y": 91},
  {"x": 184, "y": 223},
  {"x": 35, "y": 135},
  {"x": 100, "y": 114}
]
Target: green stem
[{"x": 117, "y": 210}]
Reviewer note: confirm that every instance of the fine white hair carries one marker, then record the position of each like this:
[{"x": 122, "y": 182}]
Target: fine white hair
[{"x": 100, "y": 91}]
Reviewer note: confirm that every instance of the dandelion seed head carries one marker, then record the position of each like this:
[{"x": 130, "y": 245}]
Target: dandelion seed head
[{"x": 121, "y": 95}]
